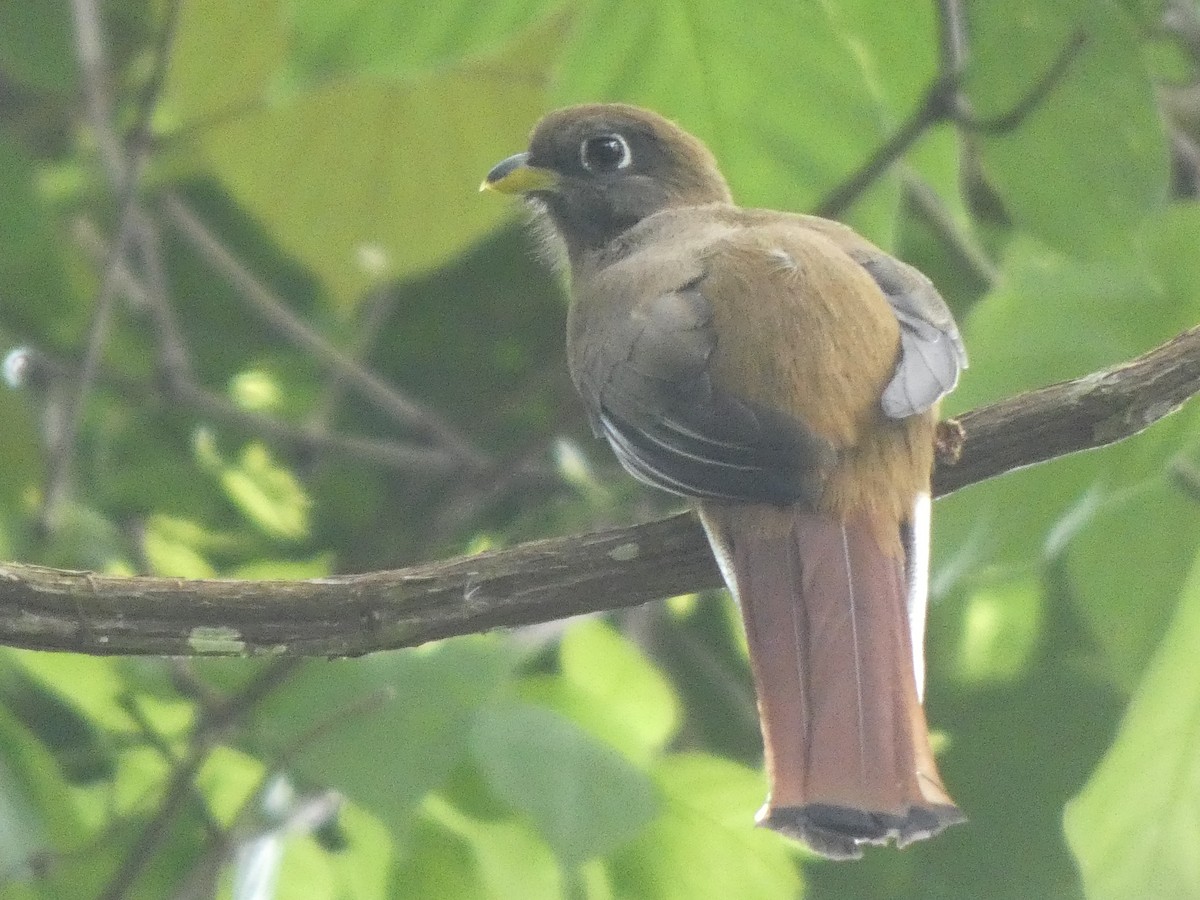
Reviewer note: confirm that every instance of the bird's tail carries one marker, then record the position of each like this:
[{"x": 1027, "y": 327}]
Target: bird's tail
[{"x": 844, "y": 733}]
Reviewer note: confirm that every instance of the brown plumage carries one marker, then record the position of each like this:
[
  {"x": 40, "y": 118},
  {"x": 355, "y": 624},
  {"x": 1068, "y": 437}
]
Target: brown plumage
[{"x": 783, "y": 373}]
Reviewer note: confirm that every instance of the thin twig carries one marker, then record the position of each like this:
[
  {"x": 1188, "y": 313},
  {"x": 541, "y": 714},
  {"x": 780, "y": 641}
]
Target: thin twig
[
  {"x": 178, "y": 388},
  {"x": 943, "y": 101},
  {"x": 964, "y": 249},
  {"x": 1181, "y": 19},
  {"x": 124, "y": 170},
  {"x": 276, "y": 313},
  {"x": 1186, "y": 157},
  {"x": 952, "y": 38},
  {"x": 524, "y": 471},
  {"x": 60, "y": 478},
  {"x": 223, "y": 845},
  {"x": 128, "y": 701},
  {"x": 174, "y": 358},
  {"x": 179, "y": 789},
  {"x": 1033, "y": 97},
  {"x": 935, "y": 107},
  {"x": 378, "y": 308},
  {"x": 89, "y": 49},
  {"x": 411, "y": 459},
  {"x": 178, "y": 793}
]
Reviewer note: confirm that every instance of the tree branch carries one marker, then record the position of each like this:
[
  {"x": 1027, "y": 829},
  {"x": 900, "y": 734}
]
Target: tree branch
[
  {"x": 1088, "y": 412},
  {"x": 52, "y": 609}
]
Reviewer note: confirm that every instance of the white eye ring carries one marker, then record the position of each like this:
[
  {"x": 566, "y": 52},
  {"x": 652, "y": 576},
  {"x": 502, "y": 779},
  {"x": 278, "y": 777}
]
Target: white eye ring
[{"x": 605, "y": 153}]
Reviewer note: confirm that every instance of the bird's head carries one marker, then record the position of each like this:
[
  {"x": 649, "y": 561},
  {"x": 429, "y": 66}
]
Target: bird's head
[{"x": 598, "y": 170}]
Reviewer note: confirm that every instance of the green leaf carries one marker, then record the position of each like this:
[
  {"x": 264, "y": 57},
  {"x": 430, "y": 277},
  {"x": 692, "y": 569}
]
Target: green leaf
[
  {"x": 896, "y": 46},
  {"x": 583, "y": 796},
  {"x": 363, "y": 866},
  {"x": 268, "y": 495},
  {"x": 36, "y": 811},
  {"x": 257, "y": 390},
  {"x": 34, "y": 293},
  {"x": 704, "y": 843},
  {"x": 1090, "y": 162},
  {"x": 1170, "y": 242},
  {"x": 1128, "y": 564},
  {"x": 1001, "y": 625},
  {"x": 367, "y": 36},
  {"x": 308, "y": 871},
  {"x": 617, "y": 682},
  {"x": 1122, "y": 525},
  {"x": 304, "y": 871},
  {"x": 1135, "y": 827},
  {"x": 438, "y": 864},
  {"x": 386, "y": 729},
  {"x": 250, "y": 39},
  {"x": 229, "y": 780},
  {"x": 90, "y": 684},
  {"x": 284, "y": 569},
  {"x": 366, "y": 179},
  {"x": 171, "y": 557},
  {"x": 35, "y": 44},
  {"x": 82, "y": 751},
  {"x": 785, "y": 130},
  {"x": 510, "y": 859}
]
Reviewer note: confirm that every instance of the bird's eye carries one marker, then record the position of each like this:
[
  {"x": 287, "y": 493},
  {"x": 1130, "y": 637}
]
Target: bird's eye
[{"x": 606, "y": 153}]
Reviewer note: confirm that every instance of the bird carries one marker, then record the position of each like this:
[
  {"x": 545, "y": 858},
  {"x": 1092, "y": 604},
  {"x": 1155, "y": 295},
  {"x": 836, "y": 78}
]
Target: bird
[{"x": 782, "y": 374}]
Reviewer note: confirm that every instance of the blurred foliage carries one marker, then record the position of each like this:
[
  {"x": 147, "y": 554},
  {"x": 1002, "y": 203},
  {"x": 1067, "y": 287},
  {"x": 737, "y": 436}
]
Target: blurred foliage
[{"x": 333, "y": 150}]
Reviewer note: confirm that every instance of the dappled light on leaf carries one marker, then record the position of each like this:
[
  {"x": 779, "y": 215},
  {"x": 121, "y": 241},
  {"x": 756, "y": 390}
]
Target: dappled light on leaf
[
  {"x": 584, "y": 798},
  {"x": 701, "y": 845}
]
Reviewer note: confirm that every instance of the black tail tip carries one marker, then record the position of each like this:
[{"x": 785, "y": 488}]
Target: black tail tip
[{"x": 840, "y": 832}]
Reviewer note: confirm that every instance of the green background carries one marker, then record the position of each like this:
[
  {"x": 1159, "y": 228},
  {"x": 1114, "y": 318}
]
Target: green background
[{"x": 334, "y": 149}]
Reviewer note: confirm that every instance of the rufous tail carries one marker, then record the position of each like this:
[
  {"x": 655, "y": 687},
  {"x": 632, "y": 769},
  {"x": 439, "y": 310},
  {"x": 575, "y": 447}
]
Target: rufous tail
[{"x": 844, "y": 733}]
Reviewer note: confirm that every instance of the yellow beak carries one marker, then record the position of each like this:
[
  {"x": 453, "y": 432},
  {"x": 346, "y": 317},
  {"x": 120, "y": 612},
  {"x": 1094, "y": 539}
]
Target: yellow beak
[{"x": 515, "y": 176}]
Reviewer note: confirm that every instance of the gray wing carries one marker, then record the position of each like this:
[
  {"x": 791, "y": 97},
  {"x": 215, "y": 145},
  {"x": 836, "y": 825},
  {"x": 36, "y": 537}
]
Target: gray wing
[
  {"x": 652, "y": 396},
  {"x": 931, "y": 350}
]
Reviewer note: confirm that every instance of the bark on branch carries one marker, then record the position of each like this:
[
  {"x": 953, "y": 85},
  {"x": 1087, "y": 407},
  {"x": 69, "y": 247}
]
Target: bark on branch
[{"x": 52, "y": 609}]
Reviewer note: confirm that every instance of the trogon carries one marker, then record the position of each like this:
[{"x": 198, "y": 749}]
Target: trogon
[{"x": 782, "y": 373}]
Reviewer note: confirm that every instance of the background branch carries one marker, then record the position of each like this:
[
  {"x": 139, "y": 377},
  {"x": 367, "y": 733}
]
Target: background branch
[
  {"x": 274, "y": 310},
  {"x": 944, "y": 101},
  {"x": 123, "y": 167},
  {"x": 53, "y": 609}
]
